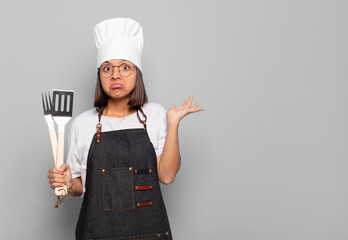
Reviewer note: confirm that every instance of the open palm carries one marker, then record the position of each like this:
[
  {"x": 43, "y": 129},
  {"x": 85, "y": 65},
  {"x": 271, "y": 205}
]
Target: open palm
[{"x": 175, "y": 114}]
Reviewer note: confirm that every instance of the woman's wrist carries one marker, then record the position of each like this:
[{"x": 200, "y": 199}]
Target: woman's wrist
[
  {"x": 172, "y": 122},
  {"x": 172, "y": 125},
  {"x": 75, "y": 188}
]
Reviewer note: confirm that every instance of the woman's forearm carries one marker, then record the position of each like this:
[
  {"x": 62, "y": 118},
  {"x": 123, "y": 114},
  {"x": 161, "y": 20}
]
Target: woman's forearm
[{"x": 170, "y": 160}]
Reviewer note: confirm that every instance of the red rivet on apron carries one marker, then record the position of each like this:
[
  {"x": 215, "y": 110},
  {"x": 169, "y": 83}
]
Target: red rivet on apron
[
  {"x": 143, "y": 171},
  {"x": 144, "y": 204},
  {"x": 148, "y": 187}
]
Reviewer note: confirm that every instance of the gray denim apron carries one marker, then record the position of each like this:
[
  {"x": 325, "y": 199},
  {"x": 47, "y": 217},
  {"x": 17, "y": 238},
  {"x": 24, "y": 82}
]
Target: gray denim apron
[{"x": 122, "y": 199}]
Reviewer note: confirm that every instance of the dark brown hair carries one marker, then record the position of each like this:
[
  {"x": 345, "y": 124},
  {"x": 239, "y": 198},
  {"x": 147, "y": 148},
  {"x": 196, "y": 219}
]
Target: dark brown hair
[{"x": 138, "y": 95}]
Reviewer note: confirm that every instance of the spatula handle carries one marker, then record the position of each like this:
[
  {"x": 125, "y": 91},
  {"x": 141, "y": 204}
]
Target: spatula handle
[
  {"x": 53, "y": 138},
  {"x": 60, "y": 191}
]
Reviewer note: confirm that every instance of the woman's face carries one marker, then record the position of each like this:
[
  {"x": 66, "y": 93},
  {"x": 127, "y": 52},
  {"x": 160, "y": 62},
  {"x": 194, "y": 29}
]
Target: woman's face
[{"x": 117, "y": 85}]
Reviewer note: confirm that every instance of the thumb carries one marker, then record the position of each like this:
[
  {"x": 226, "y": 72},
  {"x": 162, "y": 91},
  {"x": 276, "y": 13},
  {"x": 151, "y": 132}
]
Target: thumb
[{"x": 64, "y": 167}]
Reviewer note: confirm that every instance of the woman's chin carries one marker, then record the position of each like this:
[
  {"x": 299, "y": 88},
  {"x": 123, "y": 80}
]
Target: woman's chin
[{"x": 115, "y": 95}]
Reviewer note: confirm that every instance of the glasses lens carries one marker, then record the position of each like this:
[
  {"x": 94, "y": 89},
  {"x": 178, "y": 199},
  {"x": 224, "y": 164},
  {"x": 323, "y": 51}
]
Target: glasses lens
[
  {"x": 105, "y": 70},
  {"x": 126, "y": 69}
]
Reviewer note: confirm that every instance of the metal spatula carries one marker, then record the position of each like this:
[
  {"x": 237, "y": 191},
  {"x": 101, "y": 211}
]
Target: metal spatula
[{"x": 61, "y": 112}]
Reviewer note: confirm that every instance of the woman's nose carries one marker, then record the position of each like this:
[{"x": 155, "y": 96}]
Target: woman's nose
[{"x": 116, "y": 73}]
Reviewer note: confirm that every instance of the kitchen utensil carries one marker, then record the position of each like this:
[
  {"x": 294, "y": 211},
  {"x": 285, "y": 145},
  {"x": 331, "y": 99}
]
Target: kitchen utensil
[
  {"x": 47, "y": 109},
  {"x": 61, "y": 112}
]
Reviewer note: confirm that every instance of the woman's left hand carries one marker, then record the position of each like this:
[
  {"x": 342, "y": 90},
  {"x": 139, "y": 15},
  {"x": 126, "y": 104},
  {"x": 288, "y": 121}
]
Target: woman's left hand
[{"x": 175, "y": 114}]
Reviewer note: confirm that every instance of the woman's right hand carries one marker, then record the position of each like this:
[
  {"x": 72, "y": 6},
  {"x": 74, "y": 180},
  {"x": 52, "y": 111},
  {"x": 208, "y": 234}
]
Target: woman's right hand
[{"x": 60, "y": 177}]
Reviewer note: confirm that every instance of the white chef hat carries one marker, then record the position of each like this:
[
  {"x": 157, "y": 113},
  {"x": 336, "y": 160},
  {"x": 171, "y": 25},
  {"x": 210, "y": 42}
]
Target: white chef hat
[{"x": 119, "y": 38}]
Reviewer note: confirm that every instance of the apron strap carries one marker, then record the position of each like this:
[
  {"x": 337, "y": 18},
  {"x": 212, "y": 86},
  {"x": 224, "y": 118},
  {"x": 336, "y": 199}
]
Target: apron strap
[
  {"x": 100, "y": 113},
  {"x": 145, "y": 117},
  {"x": 99, "y": 125}
]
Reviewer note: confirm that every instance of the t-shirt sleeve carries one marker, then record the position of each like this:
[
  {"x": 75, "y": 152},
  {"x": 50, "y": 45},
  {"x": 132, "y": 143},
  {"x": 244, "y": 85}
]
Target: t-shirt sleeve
[
  {"x": 161, "y": 131},
  {"x": 72, "y": 157}
]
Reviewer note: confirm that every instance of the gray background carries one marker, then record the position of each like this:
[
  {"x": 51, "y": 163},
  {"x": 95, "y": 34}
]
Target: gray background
[{"x": 266, "y": 159}]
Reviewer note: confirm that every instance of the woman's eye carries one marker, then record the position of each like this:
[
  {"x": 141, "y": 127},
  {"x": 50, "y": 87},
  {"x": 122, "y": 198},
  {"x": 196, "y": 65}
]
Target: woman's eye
[
  {"x": 125, "y": 67},
  {"x": 105, "y": 69}
]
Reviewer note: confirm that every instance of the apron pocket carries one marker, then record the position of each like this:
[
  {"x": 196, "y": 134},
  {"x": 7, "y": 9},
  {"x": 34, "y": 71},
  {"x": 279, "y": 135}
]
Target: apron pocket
[{"x": 118, "y": 189}]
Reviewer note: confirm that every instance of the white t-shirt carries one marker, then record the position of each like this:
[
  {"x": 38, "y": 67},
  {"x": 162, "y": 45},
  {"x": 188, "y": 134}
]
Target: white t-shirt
[{"x": 83, "y": 128}]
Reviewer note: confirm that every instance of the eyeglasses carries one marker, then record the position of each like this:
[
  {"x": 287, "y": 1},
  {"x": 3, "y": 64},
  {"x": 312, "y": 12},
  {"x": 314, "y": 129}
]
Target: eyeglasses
[{"x": 125, "y": 69}]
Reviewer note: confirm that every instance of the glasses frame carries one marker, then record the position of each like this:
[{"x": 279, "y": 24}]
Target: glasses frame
[{"x": 118, "y": 66}]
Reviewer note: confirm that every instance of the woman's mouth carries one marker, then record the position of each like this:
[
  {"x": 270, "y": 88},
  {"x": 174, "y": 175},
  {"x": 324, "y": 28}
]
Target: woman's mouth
[{"x": 117, "y": 85}]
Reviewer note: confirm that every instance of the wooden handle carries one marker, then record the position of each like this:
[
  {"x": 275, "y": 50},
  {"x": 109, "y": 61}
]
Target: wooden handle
[
  {"x": 53, "y": 139},
  {"x": 60, "y": 191}
]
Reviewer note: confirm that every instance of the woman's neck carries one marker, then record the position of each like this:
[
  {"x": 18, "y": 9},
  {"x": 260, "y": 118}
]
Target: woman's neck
[{"x": 118, "y": 108}]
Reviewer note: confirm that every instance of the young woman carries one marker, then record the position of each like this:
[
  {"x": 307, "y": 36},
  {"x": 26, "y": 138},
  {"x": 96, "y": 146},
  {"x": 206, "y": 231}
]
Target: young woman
[{"x": 119, "y": 151}]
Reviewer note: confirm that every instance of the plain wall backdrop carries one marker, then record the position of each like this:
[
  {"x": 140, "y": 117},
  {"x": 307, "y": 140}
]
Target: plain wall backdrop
[{"x": 265, "y": 160}]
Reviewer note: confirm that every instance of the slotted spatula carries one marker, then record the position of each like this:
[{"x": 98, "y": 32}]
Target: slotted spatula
[{"x": 61, "y": 112}]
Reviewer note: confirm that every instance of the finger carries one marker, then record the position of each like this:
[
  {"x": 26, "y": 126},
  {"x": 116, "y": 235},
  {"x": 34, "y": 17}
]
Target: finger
[
  {"x": 59, "y": 180},
  {"x": 195, "y": 110},
  {"x": 55, "y": 173},
  {"x": 56, "y": 180},
  {"x": 61, "y": 168},
  {"x": 185, "y": 103},
  {"x": 64, "y": 167},
  {"x": 54, "y": 170},
  {"x": 54, "y": 185},
  {"x": 57, "y": 184},
  {"x": 58, "y": 175},
  {"x": 52, "y": 175},
  {"x": 190, "y": 101},
  {"x": 195, "y": 106},
  {"x": 172, "y": 107}
]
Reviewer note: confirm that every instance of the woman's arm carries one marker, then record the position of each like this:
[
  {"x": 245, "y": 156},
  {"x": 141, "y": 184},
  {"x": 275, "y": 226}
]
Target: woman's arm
[{"x": 168, "y": 163}]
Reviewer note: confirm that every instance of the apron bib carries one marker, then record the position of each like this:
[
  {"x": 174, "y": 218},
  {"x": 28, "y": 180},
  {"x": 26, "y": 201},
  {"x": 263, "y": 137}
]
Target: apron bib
[{"x": 122, "y": 199}]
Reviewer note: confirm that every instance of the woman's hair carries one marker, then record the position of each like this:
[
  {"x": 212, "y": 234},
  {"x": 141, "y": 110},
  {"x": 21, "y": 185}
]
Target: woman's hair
[{"x": 138, "y": 95}]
